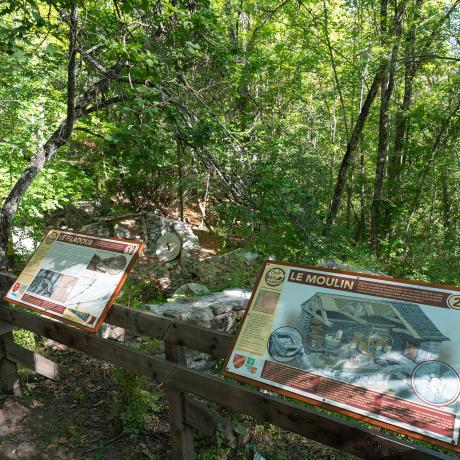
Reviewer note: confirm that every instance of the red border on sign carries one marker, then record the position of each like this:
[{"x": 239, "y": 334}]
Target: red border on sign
[
  {"x": 314, "y": 402},
  {"x": 110, "y": 302}
]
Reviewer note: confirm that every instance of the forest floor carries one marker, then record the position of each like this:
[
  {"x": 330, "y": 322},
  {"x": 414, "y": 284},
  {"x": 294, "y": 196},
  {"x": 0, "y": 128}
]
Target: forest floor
[{"x": 74, "y": 419}]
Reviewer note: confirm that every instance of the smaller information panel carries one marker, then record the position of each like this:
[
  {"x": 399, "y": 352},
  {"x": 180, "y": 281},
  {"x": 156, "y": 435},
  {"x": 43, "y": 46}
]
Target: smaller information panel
[
  {"x": 75, "y": 277},
  {"x": 380, "y": 349}
]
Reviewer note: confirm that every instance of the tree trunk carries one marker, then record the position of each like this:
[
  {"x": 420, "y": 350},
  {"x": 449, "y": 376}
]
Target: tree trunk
[
  {"x": 411, "y": 66},
  {"x": 395, "y": 163},
  {"x": 58, "y": 138},
  {"x": 387, "y": 86},
  {"x": 350, "y": 152},
  {"x": 180, "y": 177},
  {"x": 85, "y": 105},
  {"x": 446, "y": 206}
]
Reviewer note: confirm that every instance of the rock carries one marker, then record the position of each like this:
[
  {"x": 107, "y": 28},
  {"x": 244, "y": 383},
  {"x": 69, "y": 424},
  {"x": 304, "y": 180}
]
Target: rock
[
  {"x": 250, "y": 256},
  {"x": 122, "y": 232},
  {"x": 192, "y": 289},
  {"x": 225, "y": 306},
  {"x": 116, "y": 333},
  {"x": 196, "y": 312},
  {"x": 198, "y": 361},
  {"x": 219, "y": 311},
  {"x": 224, "y": 322}
]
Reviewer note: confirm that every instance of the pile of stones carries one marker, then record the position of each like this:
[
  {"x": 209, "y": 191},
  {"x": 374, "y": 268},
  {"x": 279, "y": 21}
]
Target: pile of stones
[
  {"x": 173, "y": 254},
  {"x": 220, "y": 311}
]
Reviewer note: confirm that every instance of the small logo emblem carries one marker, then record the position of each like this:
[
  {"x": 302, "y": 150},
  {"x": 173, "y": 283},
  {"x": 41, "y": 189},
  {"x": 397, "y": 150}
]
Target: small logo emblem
[
  {"x": 250, "y": 361},
  {"x": 274, "y": 277},
  {"x": 129, "y": 250},
  {"x": 51, "y": 238},
  {"x": 238, "y": 361}
]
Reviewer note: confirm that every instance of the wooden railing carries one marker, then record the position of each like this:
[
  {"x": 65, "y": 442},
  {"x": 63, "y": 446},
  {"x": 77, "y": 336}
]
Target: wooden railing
[{"x": 188, "y": 414}]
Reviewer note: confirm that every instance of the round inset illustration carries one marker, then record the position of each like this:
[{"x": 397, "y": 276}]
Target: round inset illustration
[
  {"x": 453, "y": 301},
  {"x": 168, "y": 247},
  {"x": 436, "y": 383},
  {"x": 274, "y": 277},
  {"x": 285, "y": 344},
  {"x": 51, "y": 238}
]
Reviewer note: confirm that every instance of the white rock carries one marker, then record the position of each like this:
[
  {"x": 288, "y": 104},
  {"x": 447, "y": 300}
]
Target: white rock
[
  {"x": 192, "y": 288},
  {"x": 241, "y": 293}
]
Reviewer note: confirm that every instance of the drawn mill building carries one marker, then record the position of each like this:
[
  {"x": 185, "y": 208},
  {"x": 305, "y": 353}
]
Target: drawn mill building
[{"x": 328, "y": 322}]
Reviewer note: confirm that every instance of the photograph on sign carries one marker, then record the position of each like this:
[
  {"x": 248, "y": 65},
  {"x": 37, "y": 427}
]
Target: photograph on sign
[
  {"x": 75, "y": 277},
  {"x": 376, "y": 348}
]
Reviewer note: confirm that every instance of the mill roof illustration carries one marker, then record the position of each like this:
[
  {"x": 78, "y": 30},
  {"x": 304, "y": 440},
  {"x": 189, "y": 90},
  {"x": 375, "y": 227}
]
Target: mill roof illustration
[{"x": 401, "y": 317}]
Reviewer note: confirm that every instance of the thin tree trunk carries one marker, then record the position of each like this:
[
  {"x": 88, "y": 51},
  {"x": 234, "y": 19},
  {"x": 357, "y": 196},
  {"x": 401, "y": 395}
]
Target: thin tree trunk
[
  {"x": 446, "y": 206},
  {"x": 58, "y": 138},
  {"x": 350, "y": 152},
  {"x": 180, "y": 187},
  {"x": 411, "y": 66},
  {"x": 395, "y": 163},
  {"x": 334, "y": 69},
  {"x": 387, "y": 87},
  {"x": 361, "y": 227},
  {"x": 85, "y": 105}
]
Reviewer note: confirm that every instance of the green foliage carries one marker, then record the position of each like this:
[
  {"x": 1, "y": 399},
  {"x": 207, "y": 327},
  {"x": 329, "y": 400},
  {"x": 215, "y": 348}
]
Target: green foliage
[
  {"x": 25, "y": 338},
  {"x": 134, "y": 402},
  {"x": 247, "y": 106},
  {"x": 136, "y": 292}
]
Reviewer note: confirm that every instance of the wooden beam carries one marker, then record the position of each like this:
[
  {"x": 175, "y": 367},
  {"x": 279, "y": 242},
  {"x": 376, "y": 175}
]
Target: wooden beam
[
  {"x": 354, "y": 312},
  {"x": 171, "y": 331},
  {"x": 304, "y": 420},
  {"x": 210, "y": 422},
  {"x": 346, "y": 435},
  {"x": 9, "y": 379},
  {"x": 146, "y": 323},
  {"x": 181, "y": 434},
  {"x": 354, "y": 318},
  {"x": 409, "y": 328},
  {"x": 315, "y": 315},
  {"x": 108, "y": 350},
  {"x": 5, "y": 327},
  {"x": 35, "y": 361}
]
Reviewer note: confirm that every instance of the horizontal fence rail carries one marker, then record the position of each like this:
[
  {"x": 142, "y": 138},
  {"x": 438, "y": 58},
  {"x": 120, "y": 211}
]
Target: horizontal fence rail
[{"x": 187, "y": 413}]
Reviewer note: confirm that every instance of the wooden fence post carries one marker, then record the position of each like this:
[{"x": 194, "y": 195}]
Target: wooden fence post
[
  {"x": 181, "y": 434},
  {"x": 9, "y": 380}
]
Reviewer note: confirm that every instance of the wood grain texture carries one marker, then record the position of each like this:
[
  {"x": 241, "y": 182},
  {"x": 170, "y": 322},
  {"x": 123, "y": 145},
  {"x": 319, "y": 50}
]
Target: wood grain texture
[
  {"x": 171, "y": 331},
  {"x": 35, "y": 361},
  {"x": 181, "y": 433},
  {"x": 9, "y": 379},
  {"x": 210, "y": 422}
]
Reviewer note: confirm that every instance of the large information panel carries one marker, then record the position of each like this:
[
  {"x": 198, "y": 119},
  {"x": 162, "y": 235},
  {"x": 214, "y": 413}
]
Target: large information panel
[
  {"x": 75, "y": 277},
  {"x": 380, "y": 349}
]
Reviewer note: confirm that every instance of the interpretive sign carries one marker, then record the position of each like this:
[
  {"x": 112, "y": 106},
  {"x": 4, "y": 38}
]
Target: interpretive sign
[
  {"x": 75, "y": 277},
  {"x": 380, "y": 349}
]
